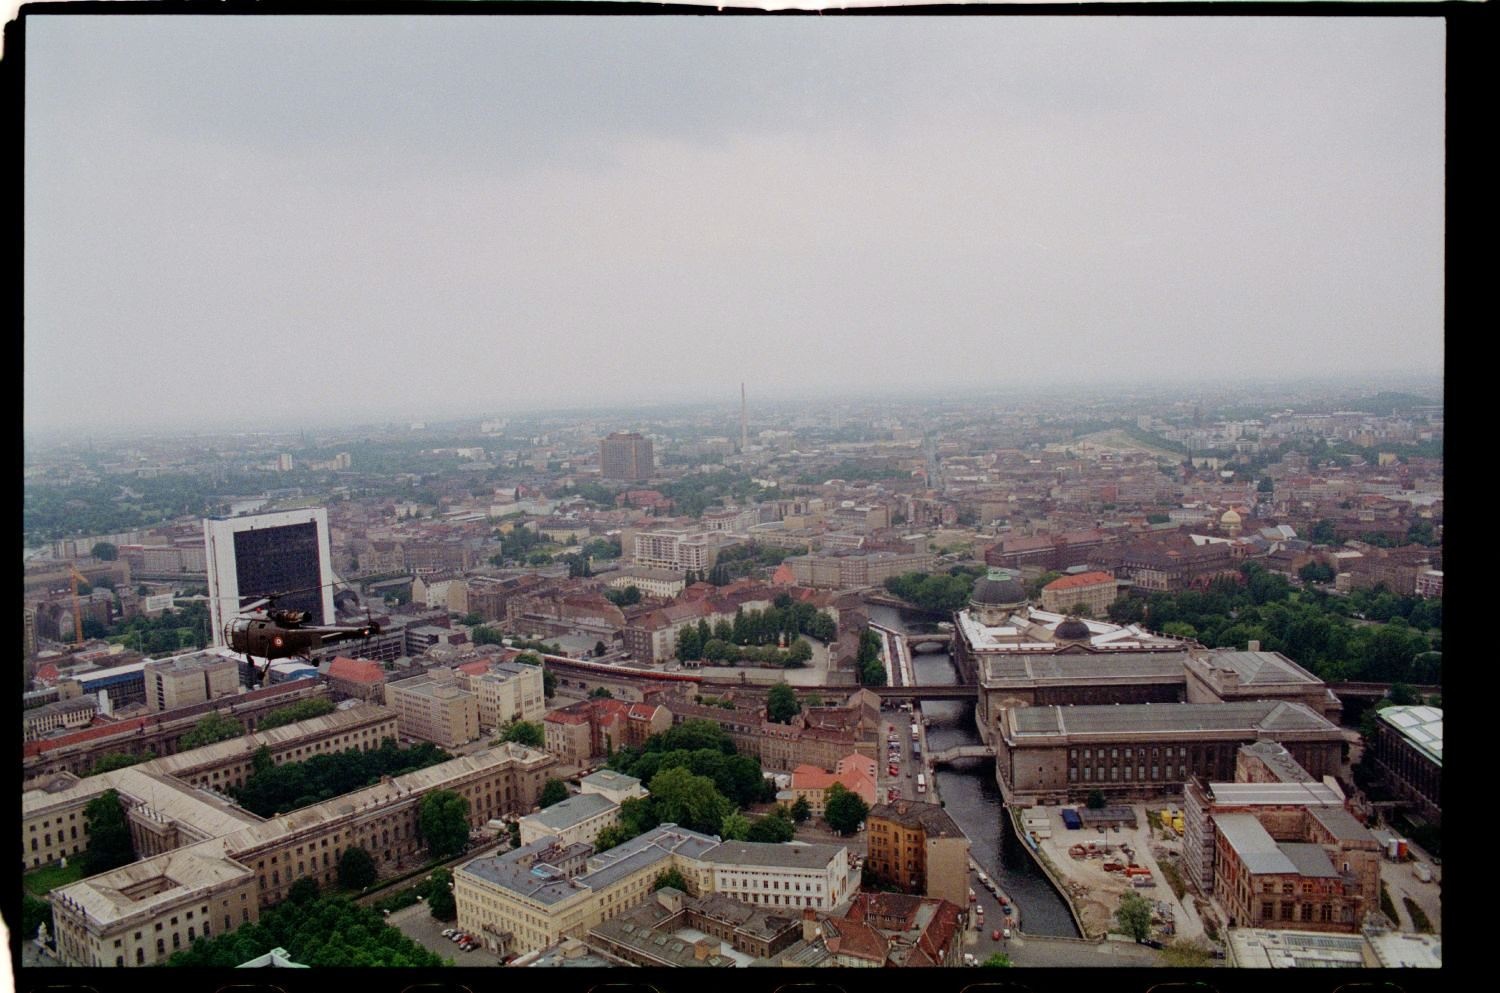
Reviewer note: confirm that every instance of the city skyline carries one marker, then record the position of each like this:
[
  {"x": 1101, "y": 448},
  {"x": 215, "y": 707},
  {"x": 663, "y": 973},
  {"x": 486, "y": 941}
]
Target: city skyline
[{"x": 321, "y": 220}]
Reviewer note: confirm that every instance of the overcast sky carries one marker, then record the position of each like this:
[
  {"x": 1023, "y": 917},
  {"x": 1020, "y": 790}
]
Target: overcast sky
[{"x": 228, "y": 217}]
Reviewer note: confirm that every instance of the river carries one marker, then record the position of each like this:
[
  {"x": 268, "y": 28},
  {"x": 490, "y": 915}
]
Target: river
[{"x": 972, "y": 798}]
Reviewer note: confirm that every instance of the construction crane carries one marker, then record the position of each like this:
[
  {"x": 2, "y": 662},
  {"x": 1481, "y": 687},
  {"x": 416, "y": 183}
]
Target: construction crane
[{"x": 74, "y": 578}]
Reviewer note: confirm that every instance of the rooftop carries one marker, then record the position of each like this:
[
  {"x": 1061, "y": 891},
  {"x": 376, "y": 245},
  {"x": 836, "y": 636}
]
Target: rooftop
[
  {"x": 1254, "y": 846},
  {"x": 1259, "y": 668},
  {"x": 608, "y": 779},
  {"x": 572, "y": 811},
  {"x": 1422, "y": 726},
  {"x": 1249, "y": 717},
  {"x": 1002, "y": 670},
  {"x": 792, "y": 855}
]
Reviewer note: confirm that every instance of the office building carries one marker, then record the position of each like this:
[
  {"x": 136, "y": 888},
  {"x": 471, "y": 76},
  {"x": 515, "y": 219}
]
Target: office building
[
  {"x": 184, "y": 680},
  {"x": 1408, "y": 750},
  {"x": 434, "y": 707},
  {"x": 249, "y": 557},
  {"x": 576, "y": 820},
  {"x": 626, "y": 456}
]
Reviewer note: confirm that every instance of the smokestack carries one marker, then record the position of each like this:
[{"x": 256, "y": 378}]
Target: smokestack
[{"x": 744, "y": 431}]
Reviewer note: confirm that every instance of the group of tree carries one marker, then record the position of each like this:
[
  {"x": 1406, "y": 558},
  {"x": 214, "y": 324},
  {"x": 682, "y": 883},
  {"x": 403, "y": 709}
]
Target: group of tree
[
  {"x": 109, "y": 835},
  {"x": 695, "y": 779},
  {"x": 782, "y": 704},
  {"x": 627, "y": 597},
  {"x": 519, "y": 545},
  {"x": 183, "y": 628},
  {"x": 696, "y": 492},
  {"x": 300, "y": 711},
  {"x": 1309, "y": 626},
  {"x": 868, "y": 660},
  {"x": 273, "y": 788},
  {"x": 776, "y": 827},
  {"x": 318, "y": 931},
  {"x": 212, "y": 728},
  {"x": 738, "y": 561},
  {"x": 938, "y": 593},
  {"x": 528, "y": 733}
]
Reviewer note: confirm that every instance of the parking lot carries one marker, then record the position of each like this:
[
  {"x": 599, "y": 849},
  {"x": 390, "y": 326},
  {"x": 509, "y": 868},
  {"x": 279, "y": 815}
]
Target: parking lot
[{"x": 419, "y": 925}]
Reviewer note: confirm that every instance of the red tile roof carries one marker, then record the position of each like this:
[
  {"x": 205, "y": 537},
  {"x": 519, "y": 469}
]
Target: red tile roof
[{"x": 356, "y": 670}]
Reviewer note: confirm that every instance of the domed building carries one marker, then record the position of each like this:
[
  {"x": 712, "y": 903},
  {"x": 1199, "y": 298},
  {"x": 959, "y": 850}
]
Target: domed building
[
  {"x": 996, "y": 597},
  {"x": 1230, "y": 522},
  {"x": 1071, "y": 631}
]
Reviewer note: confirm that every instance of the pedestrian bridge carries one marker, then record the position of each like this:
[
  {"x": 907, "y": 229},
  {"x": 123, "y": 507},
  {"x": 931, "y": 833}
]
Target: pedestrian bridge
[{"x": 961, "y": 752}]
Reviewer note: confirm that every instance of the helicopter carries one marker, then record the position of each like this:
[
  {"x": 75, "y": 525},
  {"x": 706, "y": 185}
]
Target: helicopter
[{"x": 266, "y": 631}]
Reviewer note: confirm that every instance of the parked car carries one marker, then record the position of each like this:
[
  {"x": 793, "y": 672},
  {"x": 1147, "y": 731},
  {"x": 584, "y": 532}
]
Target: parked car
[{"x": 448, "y": 932}]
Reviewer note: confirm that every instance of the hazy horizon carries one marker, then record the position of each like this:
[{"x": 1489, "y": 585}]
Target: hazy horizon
[{"x": 319, "y": 220}]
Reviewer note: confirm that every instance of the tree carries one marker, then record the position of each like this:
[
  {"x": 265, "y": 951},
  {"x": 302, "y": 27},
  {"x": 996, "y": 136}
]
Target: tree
[
  {"x": 680, "y": 797},
  {"x": 439, "y": 893},
  {"x": 485, "y": 635},
  {"x": 736, "y": 827},
  {"x": 549, "y": 683},
  {"x": 801, "y": 810},
  {"x": 843, "y": 809},
  {"x": 304, "y": 890},
  {"x": 672, "y": 878},
  {"x": 104, "y": 551},
  {"x": 688, "y": 645},
  {"x": 527, "y": 733},
  {"x": 601, "y": 693},
  {"x": 324, "y": 932},
  {"x": 1096, "y": 800},
  {"x": 109, "y": 834},
  {"x": 553, "y": 791},
  {"x": 781, "y": 704},
  {"x": 214, "y": 727},
  {"x": 1266, "y": 485},
  {"x": 599, "y": 649},
  {"x": 1134, "y": 916},
  {"x": 776, "y": 827},
  {"x": 999, "y": 960},
  {"x": 444, "y": 823},
  {"x": 472, "y": 619},
  {"x": 356, "y": 868}
]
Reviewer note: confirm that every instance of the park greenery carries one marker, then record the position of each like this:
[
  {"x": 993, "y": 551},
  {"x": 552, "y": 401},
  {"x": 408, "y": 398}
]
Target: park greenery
[
  {"x": 695, "y": 779},
  {"x": 302, "y": 710},
  {"x": 1368, "y": 635},
  {"x": 443, "y": 819},
  {"x": 939, "y": 592},
  {"x": 323, "y": 931},
  {"x": 997, "y": 960},
  {"x": 273, "y": 789},
  {"x": 212, "y": 728},
  {"x": 180, "y": 629}
]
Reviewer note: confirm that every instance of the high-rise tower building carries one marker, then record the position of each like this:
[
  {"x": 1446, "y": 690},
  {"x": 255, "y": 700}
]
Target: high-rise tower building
[
  {"x": 249, "y": 557},
  {"x": 626, "y": 456}
]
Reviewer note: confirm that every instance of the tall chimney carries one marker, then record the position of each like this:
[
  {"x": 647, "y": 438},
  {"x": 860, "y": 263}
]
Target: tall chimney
[
  {"x": 744, "y": 430},
  {"x": 809, "y": 924}
]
